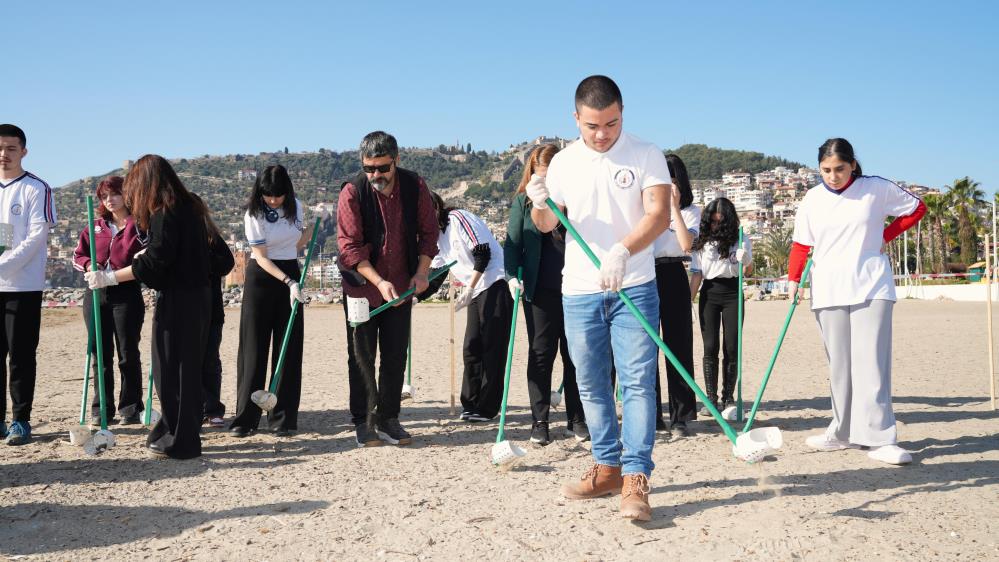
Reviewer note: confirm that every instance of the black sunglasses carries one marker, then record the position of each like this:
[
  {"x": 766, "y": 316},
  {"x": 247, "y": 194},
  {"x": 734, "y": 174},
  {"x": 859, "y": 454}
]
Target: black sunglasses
[{"x": 384, "y": 168}]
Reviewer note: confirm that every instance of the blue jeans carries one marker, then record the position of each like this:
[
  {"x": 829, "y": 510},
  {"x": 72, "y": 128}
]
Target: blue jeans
[{"x": 600, "y": 328}]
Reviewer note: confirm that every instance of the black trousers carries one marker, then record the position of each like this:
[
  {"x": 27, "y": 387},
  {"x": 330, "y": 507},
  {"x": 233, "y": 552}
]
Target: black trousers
[
  {"x": 122, "y": 315},
  {"x": 22, "y": 321},
  {"x": 262, "y": 322},
  {"x": 180, "y": 322},
  {"x": 678, "y": 335},
  {"x": 487, "y": 334},
  {"x": 718, "y": 308},
  {"x": 372, "y": 400},
  {"x": 211, "y": 373},
  {"x": 546, "y": 334}
]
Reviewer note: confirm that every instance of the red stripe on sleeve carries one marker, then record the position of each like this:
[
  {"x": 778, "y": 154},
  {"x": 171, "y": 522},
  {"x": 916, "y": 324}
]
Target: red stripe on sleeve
[
  {"x": 901, "y": 224},
  {"x": 796, "y": 261}
]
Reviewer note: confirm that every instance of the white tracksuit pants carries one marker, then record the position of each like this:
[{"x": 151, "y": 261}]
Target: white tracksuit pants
[{"x": 857, "y": 339}]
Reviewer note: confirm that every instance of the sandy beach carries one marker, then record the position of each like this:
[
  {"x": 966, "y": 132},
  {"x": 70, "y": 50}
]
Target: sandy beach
[{"x": 316, "y": 496}]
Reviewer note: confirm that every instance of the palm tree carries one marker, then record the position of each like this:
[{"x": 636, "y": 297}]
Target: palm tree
[
  {"x": 775, "y": 248},
  {"x": 936, "y": 211},
  {"x": 964, "y": 198}
]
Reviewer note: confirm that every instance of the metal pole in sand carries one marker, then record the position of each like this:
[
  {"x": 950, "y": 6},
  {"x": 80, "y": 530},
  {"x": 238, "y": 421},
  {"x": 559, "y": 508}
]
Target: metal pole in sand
[
  {"x": 988, "y": 308},
  {"x": 450, "y": 304}
]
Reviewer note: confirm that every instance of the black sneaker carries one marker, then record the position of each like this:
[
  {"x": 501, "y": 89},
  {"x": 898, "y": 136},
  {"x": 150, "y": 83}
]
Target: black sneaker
[
  {"x": 366, "y": 436},
  {"x": 391, "y": 432},
  {"x": 240, "y": 431},
  {"x": 661, "y": 425},
  {"x": 464, "y": 415},
  {"x": 680, "y": 430},
  {"x": 581, "y": 431},
  {"x": 130, "y": 420},
  {"x": 477, "y": 418},
  {"x": 539, "y": 434}
]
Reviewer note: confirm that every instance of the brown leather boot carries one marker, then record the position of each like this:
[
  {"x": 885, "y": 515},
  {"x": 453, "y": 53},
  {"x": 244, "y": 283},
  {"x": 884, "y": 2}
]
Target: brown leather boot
[
  {"x": 635, "y": 498},
  {"x": 600, "y": 480}
]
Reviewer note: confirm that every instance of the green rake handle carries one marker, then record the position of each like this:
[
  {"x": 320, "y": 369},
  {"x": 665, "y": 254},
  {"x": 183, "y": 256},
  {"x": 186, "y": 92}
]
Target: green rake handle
[
  {"x": 148, "y": 417},
  {"x": 773, "y": 356},
  {"x": 738, "y": 362},
  {"x": 86, "y": 388},
  {"x": 276, "y": 379},
  {"x": 729, "y": 432},
  {"x": 409, "y": 359},
  {"x": 501, "y": 434},
  {"x": 96, "y": 301},
  {"x": 405, "y": 295}
]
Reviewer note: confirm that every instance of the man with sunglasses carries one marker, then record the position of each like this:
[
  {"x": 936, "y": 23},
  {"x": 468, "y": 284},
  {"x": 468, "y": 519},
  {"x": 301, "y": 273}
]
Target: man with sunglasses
[{"x": 387, "y": 236}]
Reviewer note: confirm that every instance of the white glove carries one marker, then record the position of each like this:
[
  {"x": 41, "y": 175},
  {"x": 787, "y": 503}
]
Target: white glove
[
  {"x": 537, "y": 191},
  {"x": 463, "y": 297},
  {"x": 742, "y": 256},
  {"x": 514, "y": 287},
  {"x": 100, "y": 278},
  {"x": 613, "y": 266},
  {"x": 295, "y": 293}
]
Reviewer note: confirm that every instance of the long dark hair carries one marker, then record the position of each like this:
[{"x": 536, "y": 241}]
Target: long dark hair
[
  {"x": 152, "y": 185},
  {"x": 727, "y": 233},
  {"x": 842, "y": 149},
  {"x": 273, "y": 182},
  {"x": 678, "y": 170},
  {"x": 443, "y": 209}
]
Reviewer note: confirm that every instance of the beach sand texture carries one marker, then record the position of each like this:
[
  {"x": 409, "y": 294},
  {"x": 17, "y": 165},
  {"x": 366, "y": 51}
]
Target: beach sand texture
[{"x": 316, "y": 496}]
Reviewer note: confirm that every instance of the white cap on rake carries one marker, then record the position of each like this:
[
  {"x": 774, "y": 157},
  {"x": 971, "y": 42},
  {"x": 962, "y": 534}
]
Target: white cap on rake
[
  {"x": 100, "y": 442},
  {"x": 79, "y": 435},
  {"x": 506, "y": 454},
  {"x": 358, "y": 310},
  {"x": 758, "y": 443},
  {"x": 154, "y": 416},
  {"x": 555, "y": 399},
  {"x": 408, "y": 392},
  {"x": 264, "y": 399}
]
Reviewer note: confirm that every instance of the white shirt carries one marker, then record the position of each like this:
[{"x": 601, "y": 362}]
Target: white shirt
[
  {"x": 280, "y": 238},
  {"x": 602, "y": 195},
  {"x": 27, "y": 204},
  {"x": 712, "y": 264},
  {"x": 845, "y": 230},
  {"x": 464, "y": 232},
  {"x": 667, "y": 245}
]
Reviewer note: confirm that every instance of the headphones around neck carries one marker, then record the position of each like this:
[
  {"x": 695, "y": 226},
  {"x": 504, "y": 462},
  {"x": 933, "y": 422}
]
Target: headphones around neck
[{"x": 270, "y": 214}]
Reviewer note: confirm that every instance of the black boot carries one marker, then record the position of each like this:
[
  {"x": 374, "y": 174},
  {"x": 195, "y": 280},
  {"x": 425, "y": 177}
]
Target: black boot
[
  {"x": 711, "y": 380},
  {"x": 729, "y": 378}
]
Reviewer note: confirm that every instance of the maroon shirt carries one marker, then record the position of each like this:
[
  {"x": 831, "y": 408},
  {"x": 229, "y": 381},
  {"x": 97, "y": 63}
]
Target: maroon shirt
[
  {"x": 118, "y": 250},
  {"x": 392, "y": 264}
]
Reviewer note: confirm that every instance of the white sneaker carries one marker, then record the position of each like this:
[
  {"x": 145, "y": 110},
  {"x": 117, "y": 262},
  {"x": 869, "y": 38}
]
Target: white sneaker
[
  {"x": 891, "y": 454},
  {"x": 825, "y": 442}
]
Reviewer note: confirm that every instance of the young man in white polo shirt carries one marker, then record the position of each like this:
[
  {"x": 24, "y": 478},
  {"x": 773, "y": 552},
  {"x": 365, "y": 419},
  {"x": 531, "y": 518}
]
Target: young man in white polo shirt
[
  {"x": 26, "y": 205},
  {"x": 615, "y": 189}
]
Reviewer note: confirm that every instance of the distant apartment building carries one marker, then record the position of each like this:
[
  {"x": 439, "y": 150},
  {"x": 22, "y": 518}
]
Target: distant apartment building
[{"x": 246, "y": 174}]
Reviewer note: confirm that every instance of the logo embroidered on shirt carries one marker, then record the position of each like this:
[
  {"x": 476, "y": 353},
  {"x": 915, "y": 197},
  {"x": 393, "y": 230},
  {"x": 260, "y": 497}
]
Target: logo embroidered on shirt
[
  {"x": 16, "y": 209},
  {"x": 624, "y": 178}
]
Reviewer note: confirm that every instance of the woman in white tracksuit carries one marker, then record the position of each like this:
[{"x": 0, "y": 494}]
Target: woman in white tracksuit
[
  {"x": 853, "y": 291},
  {"x": 467, "y": 240}
]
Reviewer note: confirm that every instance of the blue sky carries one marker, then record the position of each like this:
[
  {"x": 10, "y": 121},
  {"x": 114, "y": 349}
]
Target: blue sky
[{"x": 914, "y": 85}]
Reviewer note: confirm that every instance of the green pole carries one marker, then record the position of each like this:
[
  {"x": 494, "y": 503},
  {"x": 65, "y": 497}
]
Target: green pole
[
  {"x": 738, "y": 363},
  {"x": 561, "y": 386},
  {"x": 149, "y": 397},
  {"x": 86, "y": 388},
  {"x": 773, "y": 356},
  {"x": 729, "y": 432},
  {"x": 405, "y": 295},
  {"x": 276, "y": 379},
  {"x": 501, "y": 434},
  {"x": 409, "y": 359},
  {"x": 96, "y": 301}
]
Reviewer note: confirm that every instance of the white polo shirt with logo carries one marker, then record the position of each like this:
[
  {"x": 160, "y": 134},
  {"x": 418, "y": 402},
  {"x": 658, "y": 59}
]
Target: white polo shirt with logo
[
  {"x": 24, "y": 202},
  {"x": 279, "y": 237},
  {"x": 602, "y": 195},
  {"x": 846, "y": 231}
]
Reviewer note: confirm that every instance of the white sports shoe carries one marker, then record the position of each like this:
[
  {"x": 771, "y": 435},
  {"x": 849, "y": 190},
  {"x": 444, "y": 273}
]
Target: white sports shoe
[
  {"x": 825, "y": 442},
  {"x": 891, "y": 454}
]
